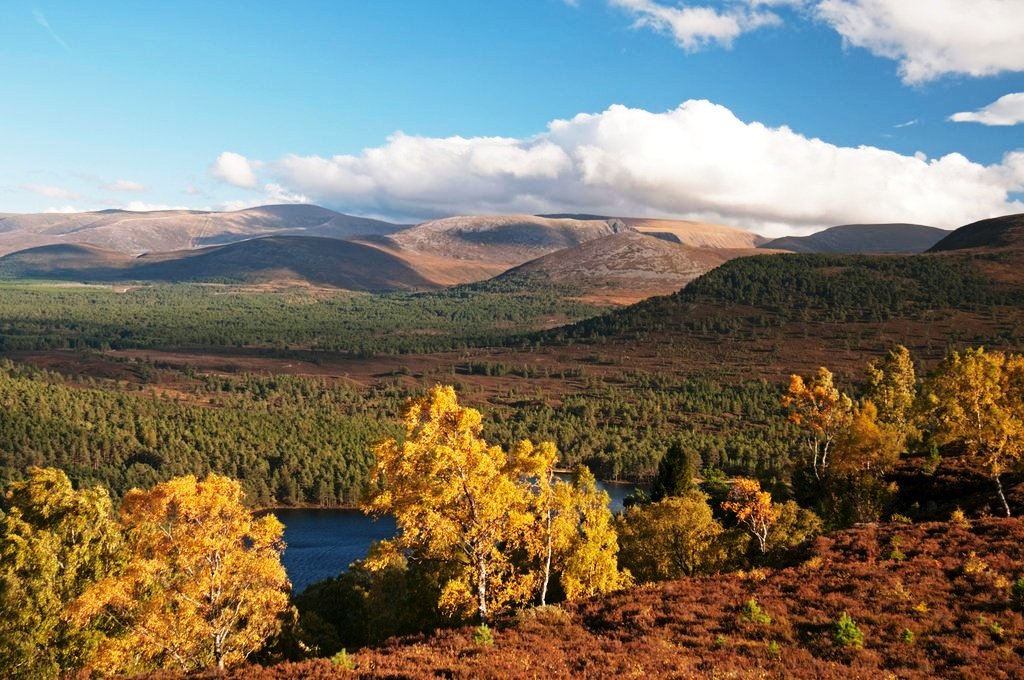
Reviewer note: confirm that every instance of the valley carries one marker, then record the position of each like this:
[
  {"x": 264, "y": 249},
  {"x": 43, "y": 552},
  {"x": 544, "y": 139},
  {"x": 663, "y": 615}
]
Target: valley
[
  {"x": 282, "y": 360},
  {"x": 566, "y": 339}
]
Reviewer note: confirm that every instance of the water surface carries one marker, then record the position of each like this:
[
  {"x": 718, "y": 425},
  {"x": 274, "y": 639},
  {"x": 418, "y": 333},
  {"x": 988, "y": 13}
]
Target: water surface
[{"x": 322, "y": 543}]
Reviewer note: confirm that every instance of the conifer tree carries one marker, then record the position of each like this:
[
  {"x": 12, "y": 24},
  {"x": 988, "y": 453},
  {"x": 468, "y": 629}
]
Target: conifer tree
[{"x": 676, "y": 471}]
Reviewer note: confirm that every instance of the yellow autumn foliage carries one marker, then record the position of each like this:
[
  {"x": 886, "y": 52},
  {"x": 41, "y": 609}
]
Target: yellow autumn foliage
[{"x": 204, "y": 586}]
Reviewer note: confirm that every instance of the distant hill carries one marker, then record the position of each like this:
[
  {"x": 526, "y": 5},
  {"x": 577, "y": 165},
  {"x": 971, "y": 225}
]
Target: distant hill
[
  {"x": 623, "y": 267},
  {"x": 863, "y": 238},
  {"x": 314, "y": 260},
  {"x": 164, "y": 230},
  {"x": 836, "y": 310},
  {"x": 998, "y": 232},
  {"x": 505, "y": 240},
  {"x": 63, "y": 261}
]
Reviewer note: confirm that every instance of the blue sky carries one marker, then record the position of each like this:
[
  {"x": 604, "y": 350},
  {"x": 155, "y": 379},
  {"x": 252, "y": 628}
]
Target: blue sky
[{"x": 747, "y": 112}]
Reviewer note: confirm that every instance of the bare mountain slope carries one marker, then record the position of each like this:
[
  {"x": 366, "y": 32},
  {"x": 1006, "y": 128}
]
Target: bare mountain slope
[
  {"x": 697, "y": 234},
  {"x": 314, "y": 260},
  {"x": 624, "y": 267},
  {"x": 504, "y": 240},
  {"x": 863, "y": 238},
  {"x": 164, "y": 230},
  {"x": 63, "y": 261}
]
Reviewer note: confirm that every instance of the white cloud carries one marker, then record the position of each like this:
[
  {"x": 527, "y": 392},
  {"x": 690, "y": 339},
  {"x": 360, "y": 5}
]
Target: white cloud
[
  {"x": 235, "y": 169},
  {"x": 931, "y": 38},
  {"x": 695, "y": 27},
  {"x": 275, "y": 193},
  {"x": 62, "y": 209},
  {"x": 56, "y": 193},
  {"x": 1007, "y": 110},
  {"x": 1013, "y": 165},
  {"x": 124, "y": 185},
  {"x": 697, "y": 161}
]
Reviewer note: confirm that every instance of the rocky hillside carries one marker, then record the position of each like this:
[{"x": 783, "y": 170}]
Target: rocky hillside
[
  {"x": 623, "y": 267},
  {"x": 697, "y": 234},
  {"x": 506, "y": 240}
]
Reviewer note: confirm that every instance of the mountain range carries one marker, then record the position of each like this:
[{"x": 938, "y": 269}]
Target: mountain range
[
  {"x": 135, "y": 233},
  {"x": 618, "y": 259}
]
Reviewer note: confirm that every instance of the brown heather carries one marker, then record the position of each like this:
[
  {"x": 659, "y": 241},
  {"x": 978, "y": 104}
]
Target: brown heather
[{"x": 961, "y": 619}]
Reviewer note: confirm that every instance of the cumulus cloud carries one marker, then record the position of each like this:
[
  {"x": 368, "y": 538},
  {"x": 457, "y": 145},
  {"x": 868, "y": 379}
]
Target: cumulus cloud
[
  {"x": 235, "y": 169},
  {"x": 695, "y": 27},
  {"x": 275, "y": 193},
  {"x": 1007, "y": 110},
  {"x": 56, "y": 193},
  {"x": 931, "y": 38},
  {"x": 124, "y": 185},
  {"x": 62, "y": 209},
  {"x": 698, "y": 161}
]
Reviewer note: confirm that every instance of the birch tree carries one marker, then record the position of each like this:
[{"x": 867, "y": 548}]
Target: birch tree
[
  {"x": 822, "y": 411},
  {"x": 454, "y": 498},
  {"x": 204, "y": 586},
  {"x": 753, "y": 509},
  {"x": 976, "y": 399}
]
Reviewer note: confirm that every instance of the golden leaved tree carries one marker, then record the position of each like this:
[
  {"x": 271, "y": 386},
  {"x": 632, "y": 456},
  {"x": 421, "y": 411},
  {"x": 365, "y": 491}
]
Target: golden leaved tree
[
  {"x": 588, "y": 564},
  {"x": 753, "y": 508},
  {"x": 572, "y": 532},
  {"x": 977, "y": 399},
  {"x": 823, "y": 412},
  {"x": 503, "y": 525},
  {"x": 675, "y": 537},
  {"x": 204, "y": 585},
  {"x": 454, "y": 499},
  {"x": 55, "y": 541},
  {"x": 892, "y": 388}
]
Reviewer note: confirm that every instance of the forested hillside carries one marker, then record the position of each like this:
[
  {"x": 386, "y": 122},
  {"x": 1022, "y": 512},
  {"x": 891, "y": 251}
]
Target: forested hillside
[
  {"x": 296, "y": 440},
  {"x": 40, "y": 316},
  {"x": 289, "y": 440}
]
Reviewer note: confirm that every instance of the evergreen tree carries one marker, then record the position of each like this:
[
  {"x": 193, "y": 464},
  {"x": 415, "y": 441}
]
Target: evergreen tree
[{"x": 676, "y": 471}]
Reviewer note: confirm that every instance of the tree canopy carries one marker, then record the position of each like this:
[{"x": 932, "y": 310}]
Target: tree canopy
[
  {"x": 204, "y": 586},
  {"x": 463, "y": 502},
  {"x": 976, "y": 399},
  {"x": 54, "y": 543}
]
